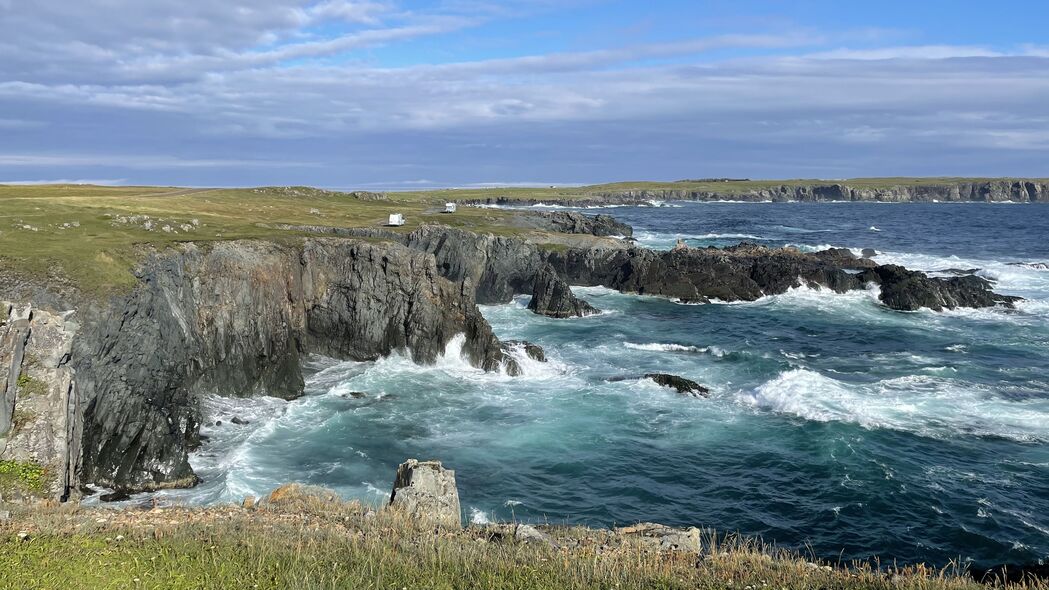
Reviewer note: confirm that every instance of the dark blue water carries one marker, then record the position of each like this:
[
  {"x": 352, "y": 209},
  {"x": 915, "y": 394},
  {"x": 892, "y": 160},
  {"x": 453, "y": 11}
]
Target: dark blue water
[{"x": 835, "y": 423}]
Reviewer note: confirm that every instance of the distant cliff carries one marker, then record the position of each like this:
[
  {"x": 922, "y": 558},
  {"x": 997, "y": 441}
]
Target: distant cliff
[{"x": 998, "y": 190}]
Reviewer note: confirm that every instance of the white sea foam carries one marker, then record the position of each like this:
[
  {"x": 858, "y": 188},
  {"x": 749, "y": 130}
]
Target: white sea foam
[
  {"x": 657, "y": 347},
  {"x": 932, "y": 406},
  {"x": 478, "y": 516}
]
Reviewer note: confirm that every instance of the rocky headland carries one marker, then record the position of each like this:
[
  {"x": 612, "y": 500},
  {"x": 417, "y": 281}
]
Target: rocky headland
[{"x": 107, "y": 392}]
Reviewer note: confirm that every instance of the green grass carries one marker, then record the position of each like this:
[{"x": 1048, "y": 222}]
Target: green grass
[
  {"x": 22, "y": 476},
  {"x": 92, "y": 237},
  {"x": 226, "y": 547}
]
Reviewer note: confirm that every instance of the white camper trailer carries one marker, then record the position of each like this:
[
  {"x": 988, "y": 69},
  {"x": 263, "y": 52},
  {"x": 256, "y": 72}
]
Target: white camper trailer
[
  {"x": 449, "y": 207},
  {"x": 396, "y": 219}
]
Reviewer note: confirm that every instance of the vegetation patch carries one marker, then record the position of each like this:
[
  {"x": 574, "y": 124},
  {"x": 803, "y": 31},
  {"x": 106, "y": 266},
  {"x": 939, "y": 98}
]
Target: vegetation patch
[
  {"x": 22, "y": 476},
  {"x": 29, "y": 386}
]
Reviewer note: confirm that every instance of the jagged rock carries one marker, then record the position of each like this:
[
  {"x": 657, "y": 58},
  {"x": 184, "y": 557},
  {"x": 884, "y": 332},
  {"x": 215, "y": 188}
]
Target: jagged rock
[
  {"x": 237, "y": 318},
  {"x": 908, "y": 290},
  {"x": 526, "y": 533},
  {"x": 552, "y": 297},
  {"x": 534, "y": 351},
  {"x": 358, "y": 394},
  {"x": 239, "y": 421},
  {"x": 426, "y": 490},
  {"x": 511, "y": 365},
  {"x": 571, "y": 222},
  {"x": 682, "y": 385}
]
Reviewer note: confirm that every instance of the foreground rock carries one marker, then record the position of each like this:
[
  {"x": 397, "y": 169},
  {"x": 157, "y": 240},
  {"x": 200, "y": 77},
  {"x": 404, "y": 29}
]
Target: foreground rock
[
  {"x": 682, "y": 385},
  {"x": 552, "y": 297},
  {"x": 426, "y": 490}
]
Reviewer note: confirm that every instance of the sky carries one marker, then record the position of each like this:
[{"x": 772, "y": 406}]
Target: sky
[{"x": 397, "y": 94}]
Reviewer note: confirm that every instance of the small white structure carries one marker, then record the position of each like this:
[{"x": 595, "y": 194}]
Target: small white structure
[
  {"x": 449, "y": 207},
  {"x": 396, "y": 219}
]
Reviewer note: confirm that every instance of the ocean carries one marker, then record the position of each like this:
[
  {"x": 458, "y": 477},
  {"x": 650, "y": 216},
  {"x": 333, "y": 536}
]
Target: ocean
[{"x": 836, "y": 426}]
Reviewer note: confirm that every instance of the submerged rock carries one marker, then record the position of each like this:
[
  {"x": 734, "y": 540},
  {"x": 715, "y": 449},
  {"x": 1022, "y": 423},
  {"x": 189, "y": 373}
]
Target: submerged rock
[
  {"x": 534, "y": 351},
  {"x": 552, "y": 297},
  {"x": 426, "y": 490},
  {"x": 682, "y": 385}
]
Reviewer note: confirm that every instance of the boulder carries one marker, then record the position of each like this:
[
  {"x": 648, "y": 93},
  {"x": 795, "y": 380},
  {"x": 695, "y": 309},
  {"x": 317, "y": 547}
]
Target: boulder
[
  {"x": 425, "y": 490},
  {"x": 552, "y": 297},
  {"x": 869, "y": 253},
  {"x": 682, "y": 385}
]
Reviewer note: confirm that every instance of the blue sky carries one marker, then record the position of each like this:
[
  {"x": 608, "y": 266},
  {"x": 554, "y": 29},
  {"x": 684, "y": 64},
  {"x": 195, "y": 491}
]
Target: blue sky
[{"x": 381, "y": 93}]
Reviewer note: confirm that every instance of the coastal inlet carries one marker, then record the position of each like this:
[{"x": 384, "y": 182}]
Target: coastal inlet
[{"x": 832, "y": 422}]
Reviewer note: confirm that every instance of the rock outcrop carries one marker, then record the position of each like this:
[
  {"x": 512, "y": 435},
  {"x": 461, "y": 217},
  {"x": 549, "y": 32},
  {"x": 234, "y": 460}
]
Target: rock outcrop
[
  {"x": 425, "y": 490},
  {"x": 908, "y": 290},
  {"x": 680, "y": 384},
  {"x": 571, "y": 222},
  {"x": 552, "y": 297},
  {"x": 39, "y": 400},
  {"x": 237, "y": 318}
]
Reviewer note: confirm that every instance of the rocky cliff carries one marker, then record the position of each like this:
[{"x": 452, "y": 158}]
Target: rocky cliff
[
  {"x": 237, "y": 318},
  {"x": 998, "y": 190},
  {"x": 119, "y": 382}
]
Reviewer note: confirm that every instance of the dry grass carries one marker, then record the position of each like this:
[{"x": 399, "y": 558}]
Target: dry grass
[{"x": 317, "y": 544}]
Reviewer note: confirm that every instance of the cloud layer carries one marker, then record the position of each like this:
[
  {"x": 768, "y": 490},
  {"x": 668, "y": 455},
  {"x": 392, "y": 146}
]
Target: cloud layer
[{"x": 278, "y": 91}]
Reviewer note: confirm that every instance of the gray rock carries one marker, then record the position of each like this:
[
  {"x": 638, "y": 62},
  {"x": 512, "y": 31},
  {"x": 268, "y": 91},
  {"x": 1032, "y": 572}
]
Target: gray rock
[
  {"x": 426, "y": 490},
  {"x": 571, "y": 222},
  {"x": 526, "y": 533},
  {"x": 237, "y": 318},
  {"x": 552, "y": 297},
  {"x": 869, "y": 253}
]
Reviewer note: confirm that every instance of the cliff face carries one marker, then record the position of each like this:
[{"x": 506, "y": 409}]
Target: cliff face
[
  {"x": 1018, "y": 190},
  {"x": 39, "y": 402},
  {"x": 237, "y": 318}
]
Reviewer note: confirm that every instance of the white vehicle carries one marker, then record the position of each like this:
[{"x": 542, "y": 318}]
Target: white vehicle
[
  {"x": 449, "y": 207},
  {"x": 396, "y": 219}
]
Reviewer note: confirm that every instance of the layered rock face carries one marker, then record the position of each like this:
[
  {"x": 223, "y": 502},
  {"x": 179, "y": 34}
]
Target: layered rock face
[
  {"x": 237, "y": 319},
  {"x": 39, "y": 401},
  {"x": 1019, "y": 190}
]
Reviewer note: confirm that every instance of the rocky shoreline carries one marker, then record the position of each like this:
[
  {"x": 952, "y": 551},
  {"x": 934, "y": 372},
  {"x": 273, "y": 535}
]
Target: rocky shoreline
[
  {"x": 121, "y": 380},
  {"x": 991, "y": 191}
]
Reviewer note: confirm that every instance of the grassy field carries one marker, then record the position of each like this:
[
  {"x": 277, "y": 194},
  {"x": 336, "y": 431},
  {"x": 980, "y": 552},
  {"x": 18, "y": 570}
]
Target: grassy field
[
  {"x": 93, "y": 236},
  {"x": 346, "y": 545}
]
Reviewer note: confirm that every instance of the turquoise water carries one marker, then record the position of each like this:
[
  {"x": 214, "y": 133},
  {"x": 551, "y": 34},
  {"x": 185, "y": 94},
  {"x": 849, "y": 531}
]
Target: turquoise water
[{"x": 835, "y": 423}]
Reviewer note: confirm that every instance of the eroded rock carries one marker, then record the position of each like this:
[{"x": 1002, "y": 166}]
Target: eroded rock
[
  {"x": 425, "y": 490},
  {"x": 552, "y": 297}
]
